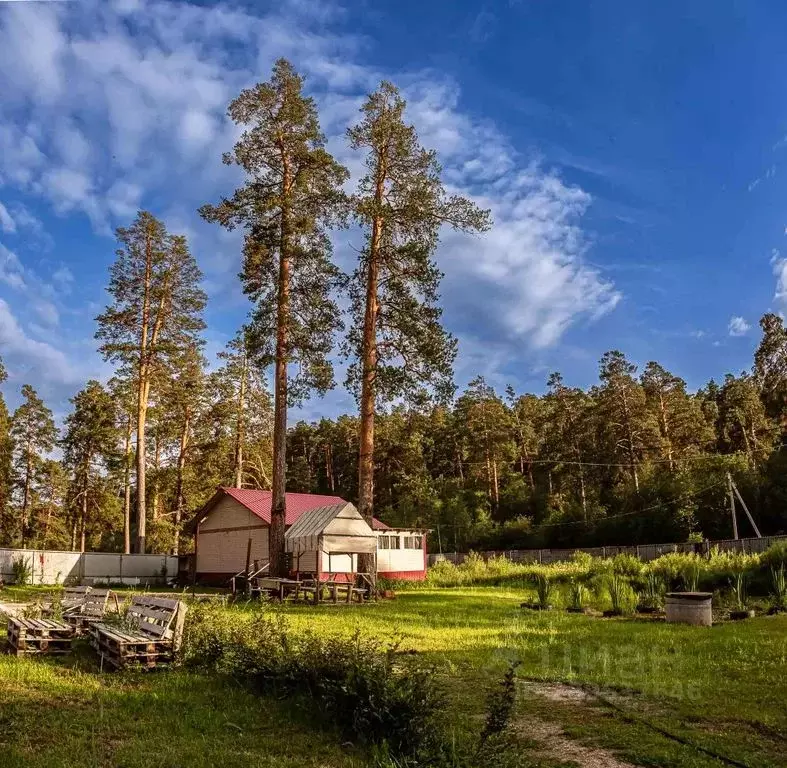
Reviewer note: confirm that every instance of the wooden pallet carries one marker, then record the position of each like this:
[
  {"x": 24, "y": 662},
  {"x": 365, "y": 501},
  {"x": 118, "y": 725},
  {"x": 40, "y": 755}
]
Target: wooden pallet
[
  {"x": 122, "y": 648},
  {"x": 149, "y": 640},
  {"x": 71, "y": 599},
  {"x": 39, "y": 636},
  {"x": 90, "y": 612}
]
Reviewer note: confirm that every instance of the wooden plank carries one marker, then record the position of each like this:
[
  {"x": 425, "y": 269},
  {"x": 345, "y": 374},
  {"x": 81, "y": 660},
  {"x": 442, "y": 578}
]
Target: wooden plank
[
  {"x": 160, "y": 602},
  {"x": 153, "y": 629},
  {"x": 152, "y": 613}
]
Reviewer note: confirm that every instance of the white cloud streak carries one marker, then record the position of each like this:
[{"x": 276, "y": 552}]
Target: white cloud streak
[
  {"x": 738, "y": 326},
  {"x": 112, "y": 105}
]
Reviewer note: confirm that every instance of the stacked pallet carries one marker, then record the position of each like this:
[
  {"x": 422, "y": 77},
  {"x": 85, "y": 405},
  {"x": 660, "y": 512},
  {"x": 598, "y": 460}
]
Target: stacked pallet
[
  {"x": 89, "y": 612},
  {"x": 123, "y": 648},
  {"x": 39, "y": 636},
  {"x": 148, "y": 639}
]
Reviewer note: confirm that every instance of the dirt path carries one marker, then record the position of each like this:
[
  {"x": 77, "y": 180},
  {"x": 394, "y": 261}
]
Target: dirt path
[{"x": 553, "y": 741}]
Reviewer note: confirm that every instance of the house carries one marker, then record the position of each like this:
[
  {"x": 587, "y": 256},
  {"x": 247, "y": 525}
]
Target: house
[{"x": 231, "y": 531}]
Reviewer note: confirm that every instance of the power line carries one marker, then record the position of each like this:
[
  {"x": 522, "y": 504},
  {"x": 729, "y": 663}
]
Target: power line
[
  {"x": 624, "y": 514},
  {"x": 643, "y": 463},
  {"x": 638, "y": 511}
]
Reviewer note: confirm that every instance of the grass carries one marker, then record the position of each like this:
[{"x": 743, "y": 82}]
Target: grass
[{"x": 722, "y": 688}]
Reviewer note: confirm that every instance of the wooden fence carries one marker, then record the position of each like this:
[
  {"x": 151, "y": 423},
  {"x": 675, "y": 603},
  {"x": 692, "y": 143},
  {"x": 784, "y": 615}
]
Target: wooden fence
[{"x": 643, "y": 551}]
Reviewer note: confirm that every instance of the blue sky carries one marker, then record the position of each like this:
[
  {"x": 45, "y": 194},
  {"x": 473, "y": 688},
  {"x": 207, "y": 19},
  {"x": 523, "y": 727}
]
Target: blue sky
[{"x": 634, "y": 155}]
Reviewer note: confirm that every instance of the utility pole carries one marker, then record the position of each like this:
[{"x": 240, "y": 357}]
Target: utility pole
[
  {"x": 746, "y": 510},
  {"x": 732, "y": 507}
]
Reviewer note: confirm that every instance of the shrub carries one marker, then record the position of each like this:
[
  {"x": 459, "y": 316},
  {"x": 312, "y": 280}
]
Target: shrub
[
  {"x": 356, "y": 682},
  {"x": 621, "y": 594},
  {"x": 779, "y": 588},
  {"x": 739, "y": 590},
  {"x": 652, "y": 594},
  {"x": 776, "y": 555},
  {"x": 22, "y": 570},
  {"x": 544, "y": 591},
  {"x": 628, "y": 566},
  {"x": 576, "y": 594}
]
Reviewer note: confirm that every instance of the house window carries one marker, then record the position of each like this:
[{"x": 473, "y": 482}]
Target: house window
[
  {"x": 388, "y": 542},
  {"x": 413, "y": 542}
]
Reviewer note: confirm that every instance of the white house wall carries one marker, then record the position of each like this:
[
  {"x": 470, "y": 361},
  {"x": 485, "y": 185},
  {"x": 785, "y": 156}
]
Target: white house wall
[{"x": 224, "y": 538}]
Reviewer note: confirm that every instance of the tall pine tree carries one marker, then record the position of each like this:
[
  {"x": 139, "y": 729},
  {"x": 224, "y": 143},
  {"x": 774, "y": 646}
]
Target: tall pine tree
[
  {"x": 90, "y": 440},
  {"x": 34, "y": 433},
  {"x": 293, "y": 189},
  {"x": 396, "y": 339},
  {"x": 156, "y": 313}
]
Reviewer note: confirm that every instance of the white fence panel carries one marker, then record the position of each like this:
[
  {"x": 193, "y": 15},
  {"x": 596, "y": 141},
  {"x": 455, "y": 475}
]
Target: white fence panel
[{"x": 89, "y": 567}]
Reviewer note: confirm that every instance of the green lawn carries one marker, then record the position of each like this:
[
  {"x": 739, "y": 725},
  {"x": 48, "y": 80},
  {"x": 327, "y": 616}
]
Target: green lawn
[{"x": 722, "y": 688}]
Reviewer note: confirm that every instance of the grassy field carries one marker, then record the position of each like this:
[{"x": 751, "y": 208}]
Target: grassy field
[{"x": 665, "y": 690}]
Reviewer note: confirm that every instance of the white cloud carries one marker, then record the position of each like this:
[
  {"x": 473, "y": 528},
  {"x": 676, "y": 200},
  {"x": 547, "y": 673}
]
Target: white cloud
[
  {"x": 7, "y": 223},
  {"x": 112, "y": 106},
  {"x": 738, "y": 326},
  {"x": 11, "y": 270},
  {"x": 28, "y": 359}
]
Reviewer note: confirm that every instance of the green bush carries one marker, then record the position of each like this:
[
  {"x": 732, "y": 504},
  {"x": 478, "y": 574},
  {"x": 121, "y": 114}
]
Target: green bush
[
  {"x": 675, "y": 570},
  {"x": 779, "y": 588},
  {"x": 357, "y": 683},
  {"x": 775, "y": 556},
  {"x": 22, "y": 570},
  {"x": 621, "y": 594},
  {"x": 576, "y": 594},
  {"x": 544, "y": 589},
  {"x": 628, "y": 566}
]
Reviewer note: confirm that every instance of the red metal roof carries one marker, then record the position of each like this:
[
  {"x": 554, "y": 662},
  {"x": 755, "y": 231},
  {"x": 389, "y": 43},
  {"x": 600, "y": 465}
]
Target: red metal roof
[{"x": 259, "y": 502}]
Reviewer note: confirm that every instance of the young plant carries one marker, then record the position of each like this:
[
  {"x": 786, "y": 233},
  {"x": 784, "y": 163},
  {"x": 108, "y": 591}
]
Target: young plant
[
  {"x": 620, "y": 593},
  {"x": 691, "y": 575},
  {"x": 652, "y": 594},
  {"x": 22, "y": 570},
  {"x": 739, "y": 590},
  {"x": 544, "y": 589},
  {"x": 576, "y": 594},
  {"x": 779, "y": 588}
]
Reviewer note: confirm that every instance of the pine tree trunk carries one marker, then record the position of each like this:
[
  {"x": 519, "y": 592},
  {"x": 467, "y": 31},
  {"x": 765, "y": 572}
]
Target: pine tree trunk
[
  {"x": 83, "y": 519},
  {"x": 127, "y": 489},
  {"x": 329, "y": 466},
  {"x": 665, "y": 429},
  {"x": 631, "y": 451},
  {"x": 83, "y": 509},
  {"x": 278, "y": 495},
  {"x": 143, "y": 389},
  {"x": 240, "y": 422},
  {"x": 142, "y": 409},
  {"x": 495, "y": 485},
  {"x": 156, "y": 496},
  {"x": 179, "y": 499},
  {"x": 26, "y": 495},
  {"x": 366, "y": 562}
]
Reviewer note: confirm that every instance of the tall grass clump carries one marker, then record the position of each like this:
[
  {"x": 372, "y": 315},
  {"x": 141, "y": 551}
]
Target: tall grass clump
[
  {"x": 778, "y": 589},
  {"x": 22, "y": 570},
  {"x": 651, "y": 596},
  {"x": 621, "y": 594},
  {"x": 576, "y": 595},
  {"x": 691, "y": 573},
  {"x": 375, "y": 695},
  {"x": 544, "y": 590}
]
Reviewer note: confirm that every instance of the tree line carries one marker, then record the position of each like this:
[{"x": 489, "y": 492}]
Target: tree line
[
  {"x": 635, "y": 458},
  {"x": 152, "y": 444}
]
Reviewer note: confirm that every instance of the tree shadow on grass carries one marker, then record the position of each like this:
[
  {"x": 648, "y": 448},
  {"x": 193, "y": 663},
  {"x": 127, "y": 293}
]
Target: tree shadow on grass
[{"x": 60, "y": 713}]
